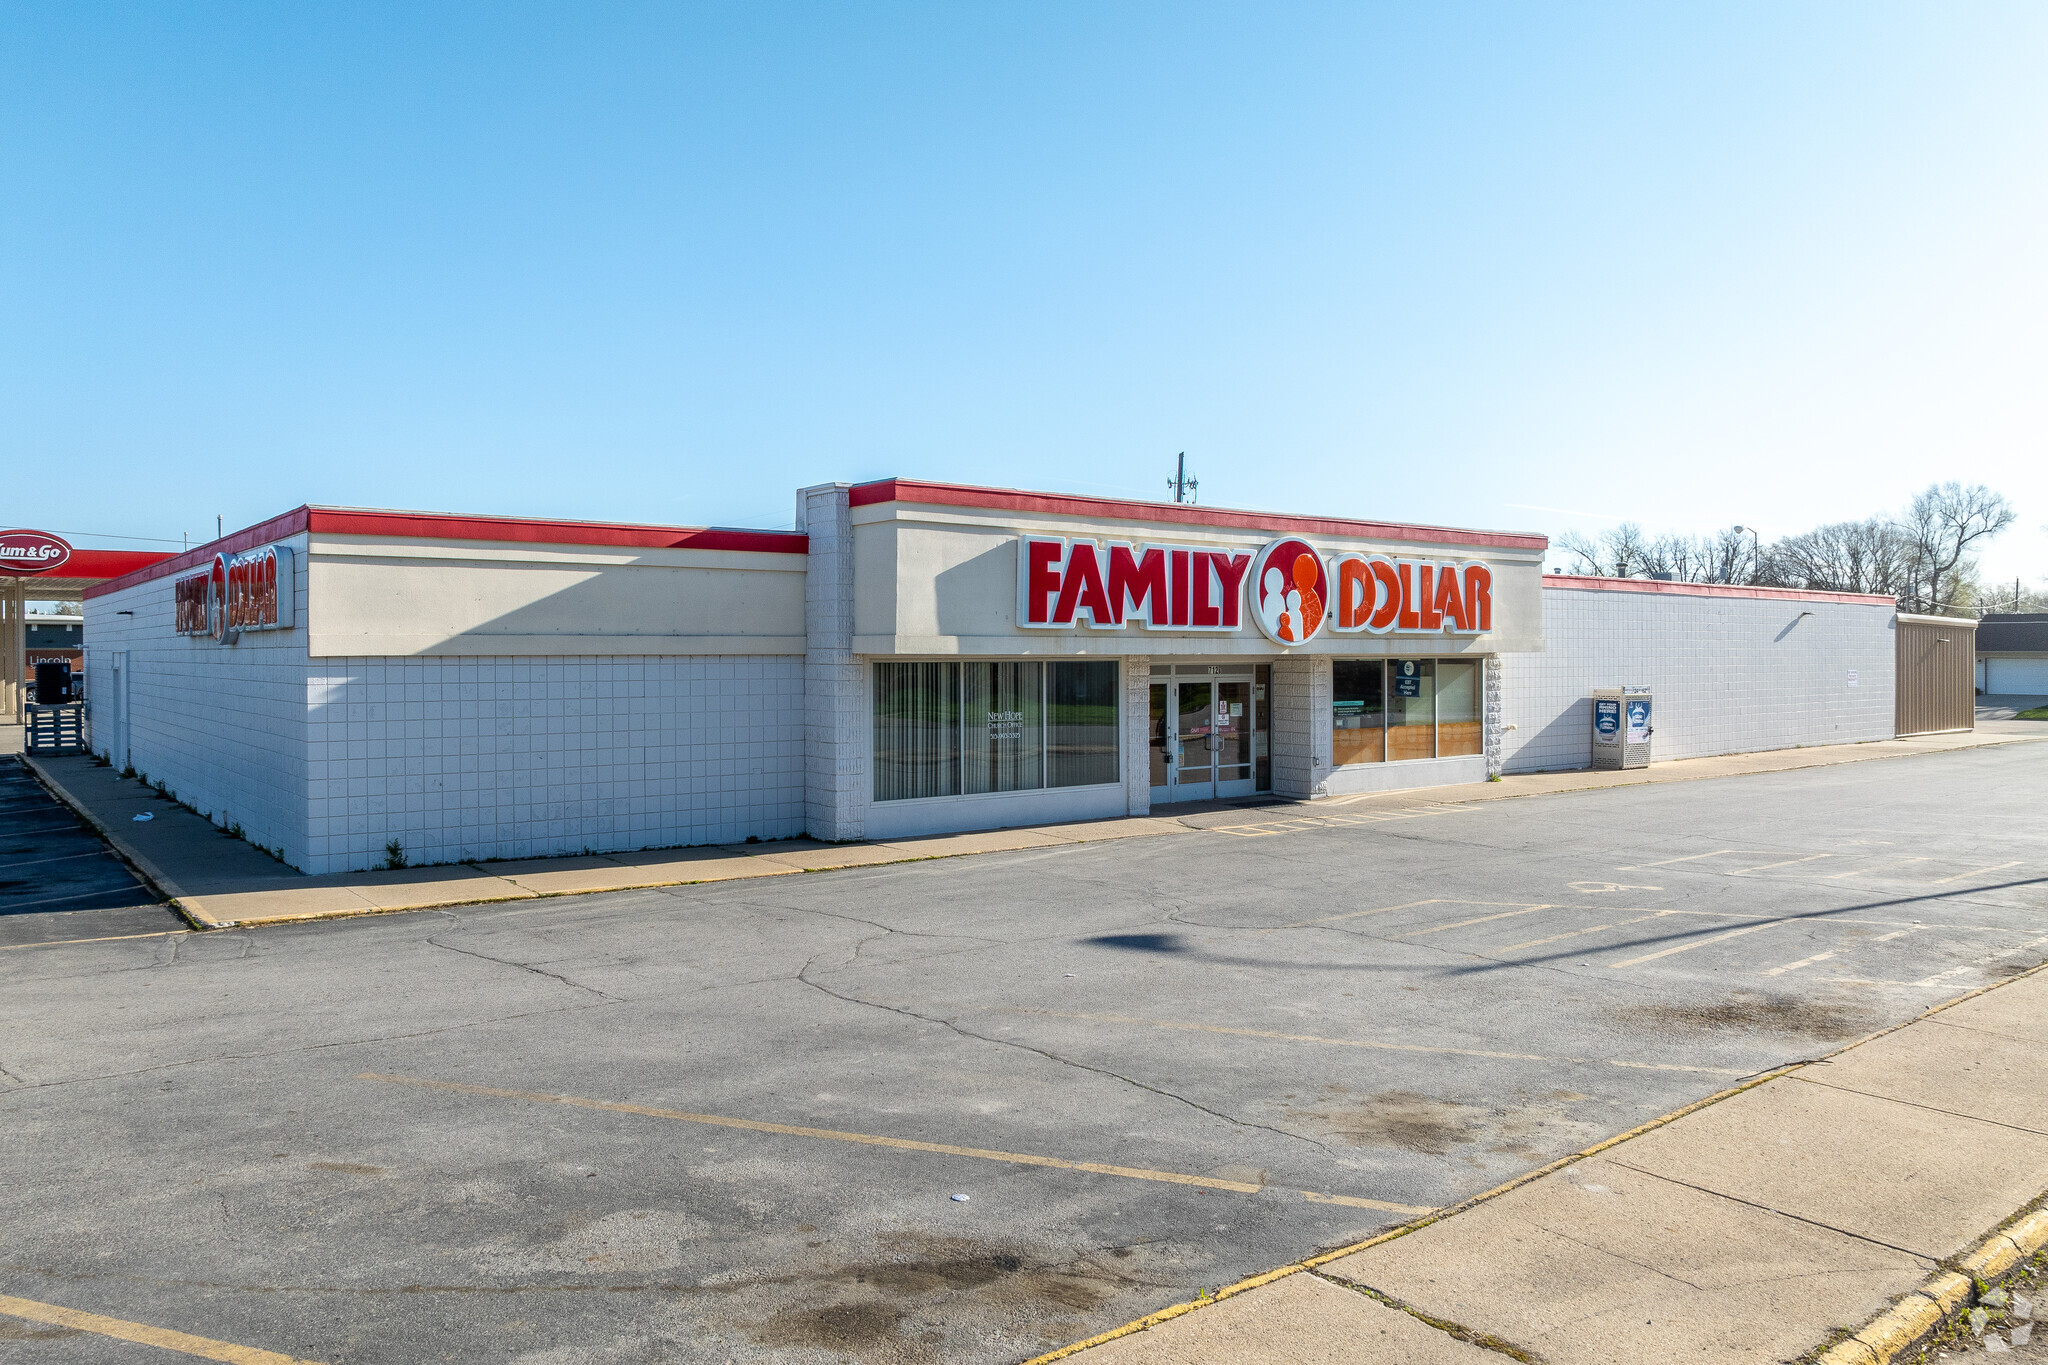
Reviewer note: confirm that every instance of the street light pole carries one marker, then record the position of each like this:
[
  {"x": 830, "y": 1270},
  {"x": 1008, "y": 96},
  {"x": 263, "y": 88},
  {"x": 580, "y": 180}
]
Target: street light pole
[{"x": 1756, "y": 560}]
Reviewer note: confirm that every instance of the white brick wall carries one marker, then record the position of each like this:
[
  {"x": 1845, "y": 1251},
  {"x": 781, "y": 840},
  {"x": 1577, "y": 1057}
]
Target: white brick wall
[
  {"x": 1730, "y": 674},
  {"x": 465, "y": 759},
  {"x": 222, "y": 726},
  {"x": 327, "y": 759}
]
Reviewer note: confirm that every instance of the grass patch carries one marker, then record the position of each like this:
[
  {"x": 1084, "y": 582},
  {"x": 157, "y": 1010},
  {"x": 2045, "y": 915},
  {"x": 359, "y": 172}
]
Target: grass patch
[{"x": 2032, "y": 713}]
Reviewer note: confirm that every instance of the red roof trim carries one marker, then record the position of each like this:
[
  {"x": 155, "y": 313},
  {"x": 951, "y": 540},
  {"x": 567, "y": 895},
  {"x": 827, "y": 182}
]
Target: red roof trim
[
  {"x": 277, "y": 528},
  {"x": 93, "y": 564},
  {"x": 525, "y": 530},
  {"x": 1063, "y": 504},
  {"x": 1652, "y": 585},
  {"x": 350, "y": 521}
]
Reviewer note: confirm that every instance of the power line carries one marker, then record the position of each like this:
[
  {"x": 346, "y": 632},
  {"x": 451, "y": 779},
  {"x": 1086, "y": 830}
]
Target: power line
[{"x": 98, "y": 535}]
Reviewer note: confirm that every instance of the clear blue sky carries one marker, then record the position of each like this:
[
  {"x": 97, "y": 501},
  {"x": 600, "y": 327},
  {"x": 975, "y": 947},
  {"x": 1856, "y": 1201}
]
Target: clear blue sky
[{"x": 1526, "y": 266}]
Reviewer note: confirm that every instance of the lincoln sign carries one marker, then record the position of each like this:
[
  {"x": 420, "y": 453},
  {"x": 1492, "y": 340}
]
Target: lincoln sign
[
  {"x": 240, "y": 592},
  {"x": 1291, "y": 591}
]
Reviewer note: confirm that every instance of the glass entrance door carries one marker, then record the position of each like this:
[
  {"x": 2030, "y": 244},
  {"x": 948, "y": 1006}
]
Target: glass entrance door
[
  {"x": 1194, "y": 758},
  {"x": 1202, "y": 739},
  {"x": 1232, "y": 729}
]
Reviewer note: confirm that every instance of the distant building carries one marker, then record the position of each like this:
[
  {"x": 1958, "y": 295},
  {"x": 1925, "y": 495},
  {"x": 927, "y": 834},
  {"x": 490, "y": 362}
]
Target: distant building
[
  {"x": 53, "y": 637},
  {"x": 2012, "y": 654}
]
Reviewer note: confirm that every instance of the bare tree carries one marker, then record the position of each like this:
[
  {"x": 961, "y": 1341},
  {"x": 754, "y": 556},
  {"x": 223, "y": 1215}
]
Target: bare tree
[
  {"x": 1844, "y": 556},
  {"x": 1922, "y": 558},
  {"x": 1723, "y": 557},
  {"x": 1625, "y": 552},
  {"x": 1620, "y": 552},
  {"x": 1940, "y": 527}
]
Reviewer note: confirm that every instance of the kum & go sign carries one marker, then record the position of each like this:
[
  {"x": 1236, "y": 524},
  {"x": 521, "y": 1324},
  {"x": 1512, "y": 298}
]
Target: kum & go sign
[
  {"x": 32, "y": 551},
  {"x": 250, "y": 591},
  {"x": 1291, "y": 590}
]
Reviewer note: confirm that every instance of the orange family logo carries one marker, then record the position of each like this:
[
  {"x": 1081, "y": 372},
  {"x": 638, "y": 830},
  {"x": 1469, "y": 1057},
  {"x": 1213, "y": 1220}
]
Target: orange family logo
[{"x": 1293, "y": 591}]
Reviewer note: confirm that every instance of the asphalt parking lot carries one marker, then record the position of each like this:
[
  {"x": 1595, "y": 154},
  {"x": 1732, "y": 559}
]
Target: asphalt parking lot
[
  {"x": 58, "y": 879},
  {"x": 730, "y": 1122}
]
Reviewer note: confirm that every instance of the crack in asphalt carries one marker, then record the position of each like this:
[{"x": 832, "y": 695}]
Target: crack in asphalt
[
  {"x": 964, "y": 1032},
  {"x": 890, "y": 930},
  {"x": 605, "y": 996}
]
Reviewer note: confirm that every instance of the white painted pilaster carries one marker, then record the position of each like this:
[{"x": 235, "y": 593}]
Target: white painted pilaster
[
  {"x": 835, "y": 714},
  {"x": 1301, "y": 726},
  {"x": 1137, "y": 741}
]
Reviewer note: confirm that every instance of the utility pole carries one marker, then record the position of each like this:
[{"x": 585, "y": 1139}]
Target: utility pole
[{"x": 1183, "y": 487}]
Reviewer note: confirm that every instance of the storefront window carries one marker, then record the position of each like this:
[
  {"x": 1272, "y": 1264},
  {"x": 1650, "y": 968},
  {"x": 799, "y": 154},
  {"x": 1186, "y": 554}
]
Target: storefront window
[
  {"x": 917, "y": 731},
  {"x": 1396, "y": 710},
  {"x": 947, "y": 729},
  {"x": 1457, "y": 708},
  {"x": 1002, "y": 727},
  {"x": 1359, "y": 705},
  {"x": 1080, "y": 730},
  {"x": 1411, "y": 709}
]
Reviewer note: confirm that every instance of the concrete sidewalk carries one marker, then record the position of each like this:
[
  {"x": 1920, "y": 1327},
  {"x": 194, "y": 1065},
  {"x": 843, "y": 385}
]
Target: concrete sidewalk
[
  {"x": 1761, "y": 1225},
  {"x": 216, "y": 880}
]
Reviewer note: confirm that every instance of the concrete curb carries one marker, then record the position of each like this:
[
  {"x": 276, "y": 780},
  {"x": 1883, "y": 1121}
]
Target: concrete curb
[
  {"x": 1942, "y": 1299},
  {"x": 153, "y": 877},
  {"x": 1911, "y": 1321},
  {"x": 1309, "y": 1263}
]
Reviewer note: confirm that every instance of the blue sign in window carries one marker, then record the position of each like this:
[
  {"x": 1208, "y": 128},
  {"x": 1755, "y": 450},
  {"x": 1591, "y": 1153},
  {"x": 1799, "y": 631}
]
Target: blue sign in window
[{"x": 1606, "y": 721}]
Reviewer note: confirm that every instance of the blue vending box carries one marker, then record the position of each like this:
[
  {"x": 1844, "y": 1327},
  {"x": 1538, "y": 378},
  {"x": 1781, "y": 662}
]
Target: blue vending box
[{"x": 1622, "y": 727}]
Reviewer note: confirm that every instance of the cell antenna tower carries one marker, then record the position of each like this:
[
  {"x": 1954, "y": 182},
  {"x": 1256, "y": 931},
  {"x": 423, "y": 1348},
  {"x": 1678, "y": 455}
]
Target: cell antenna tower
[{"x": 1183, "y": 487}]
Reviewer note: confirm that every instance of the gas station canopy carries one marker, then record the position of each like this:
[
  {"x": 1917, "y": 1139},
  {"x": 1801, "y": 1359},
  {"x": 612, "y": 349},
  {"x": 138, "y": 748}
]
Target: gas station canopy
[{"x": 38, "y": 566}]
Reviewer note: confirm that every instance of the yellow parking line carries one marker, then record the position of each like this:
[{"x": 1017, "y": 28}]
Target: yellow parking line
[
  {"x": 872, "y": 1140},
  {"x": 142, "y": 1334},
  {"x": 1986, "y": 960},
  {"x": 1973, "y": 872},
  {"x": 1388, "y": 909},
  {"x": 1766, "y": 867},
  {"x": 108, "y": 938},
  {"x": 1574, "y": 933},
  {"x": 1802, "y": 962},
  {"x": 1468, "y": 923},
  {"x": 1867, "y": 871},
  {"x": 1688, "y": 858},
  {"x": 1688, "y": 947}
]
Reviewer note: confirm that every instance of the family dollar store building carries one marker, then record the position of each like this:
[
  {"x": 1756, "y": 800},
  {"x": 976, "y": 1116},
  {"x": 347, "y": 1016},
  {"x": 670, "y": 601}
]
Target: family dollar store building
[{"x": 914, "y": 657}]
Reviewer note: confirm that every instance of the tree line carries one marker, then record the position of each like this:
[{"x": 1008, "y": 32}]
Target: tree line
[{"x": 1923, "y": 556}]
